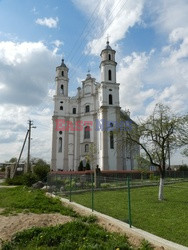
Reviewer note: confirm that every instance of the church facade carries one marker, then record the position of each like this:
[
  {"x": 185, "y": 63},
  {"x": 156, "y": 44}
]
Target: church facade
[{"x": 83, "y": 125}]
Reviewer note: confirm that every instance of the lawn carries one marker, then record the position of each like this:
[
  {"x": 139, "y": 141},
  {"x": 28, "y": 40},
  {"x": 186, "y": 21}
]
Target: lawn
[{"x": 167, "y": 219}]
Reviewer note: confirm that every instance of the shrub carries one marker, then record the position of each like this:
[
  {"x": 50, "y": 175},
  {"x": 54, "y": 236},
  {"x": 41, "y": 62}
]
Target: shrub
[
  {"x": 183, "y": 168},
  {"x": 25, "y": 179},
  {"x": 17, "y": 180},
  {"x": 41, "y": 171},
  {"x": 88, "y": 166},
  {"x": 29, "y": 179},
  {"x": 81, "y": 167}
]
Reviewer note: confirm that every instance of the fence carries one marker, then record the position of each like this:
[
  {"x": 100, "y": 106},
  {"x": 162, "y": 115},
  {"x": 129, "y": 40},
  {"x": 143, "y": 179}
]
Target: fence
[{"x": 108, "y": 192}]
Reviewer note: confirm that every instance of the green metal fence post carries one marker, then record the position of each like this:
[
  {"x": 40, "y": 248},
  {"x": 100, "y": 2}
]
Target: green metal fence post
[
  {"x": 70, "y": 194},
  {"x": 129, "y": 201},
  {"x": 92, "y": 192}
]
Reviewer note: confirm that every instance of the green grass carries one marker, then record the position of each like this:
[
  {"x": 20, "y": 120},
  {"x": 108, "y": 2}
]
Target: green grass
[
  {"x": 72, "y": 235},
  {"x": 22, "y": 199},
  {"x": 167, "y": 219}
]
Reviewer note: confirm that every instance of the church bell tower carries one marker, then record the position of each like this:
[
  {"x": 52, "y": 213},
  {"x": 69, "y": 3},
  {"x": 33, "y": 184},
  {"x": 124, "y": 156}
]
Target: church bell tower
[{"x": 108, "y": 65}]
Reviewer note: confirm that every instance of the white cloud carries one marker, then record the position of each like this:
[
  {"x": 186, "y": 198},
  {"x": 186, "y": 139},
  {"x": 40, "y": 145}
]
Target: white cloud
[
  {"x": 48, "y": 22},
  {"x": 57, "y": 43},
  {"x": 130, "y": 75},
  {"x": 169, "y": 14},
  {"x": 111, "y": 17},
  {"x": 26, "y": 69}
]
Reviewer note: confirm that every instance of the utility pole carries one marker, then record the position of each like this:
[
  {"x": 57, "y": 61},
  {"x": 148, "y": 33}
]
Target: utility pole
[{"x": 28, "y": 169}]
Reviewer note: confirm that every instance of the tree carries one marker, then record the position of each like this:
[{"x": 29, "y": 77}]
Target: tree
[
  {"x": 155, "y": 135},
  {"x": 41, "y": 169},
  {"x": 91, "y": 155},
  {"x": 13, "y": 160},
  {"x": 183, "y": 135}
]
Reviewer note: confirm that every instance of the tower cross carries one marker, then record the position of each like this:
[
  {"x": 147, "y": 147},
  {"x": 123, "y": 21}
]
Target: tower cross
[{"x": 107, "y": 38}]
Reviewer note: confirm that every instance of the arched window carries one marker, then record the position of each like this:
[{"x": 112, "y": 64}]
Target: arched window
[
  {"x": 87, "y": 109},
  {"x": 62, "y": 73},
  {"x": 74, "y": 111},
  {"x": 60, "y": 145},
  {"x": 61, "y": 107},
  {"x": 111, "y": 139},
  {"x": 110, "y": 99},
  {"x": 109, "y": 57},
  {"x": 87, "y": 132},
  {"x": 86, "y": 148},
  {"x": 111, "y": 125},
  {"x": 62, "y": 89},
  {"x": 109, "y": 75}
]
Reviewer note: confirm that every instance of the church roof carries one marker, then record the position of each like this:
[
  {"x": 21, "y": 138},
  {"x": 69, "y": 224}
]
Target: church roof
[
  {"x": 63, "y": 64},
  {"x": 107, "y": 45}
]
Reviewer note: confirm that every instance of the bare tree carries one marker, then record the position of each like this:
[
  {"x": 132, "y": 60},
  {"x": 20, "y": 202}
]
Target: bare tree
[{"x": 161, "y": 130}]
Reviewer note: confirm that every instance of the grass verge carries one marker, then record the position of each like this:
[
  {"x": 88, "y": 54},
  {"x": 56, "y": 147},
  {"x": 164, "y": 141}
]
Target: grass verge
[{"x": 22, "y": 199}]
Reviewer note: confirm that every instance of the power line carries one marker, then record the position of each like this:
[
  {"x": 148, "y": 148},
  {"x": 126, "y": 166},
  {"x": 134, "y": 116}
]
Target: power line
[
  {"x": 83, "y": 30},
  {"x": 86, "y": 34},
  {"x": 106, "y": 26}
]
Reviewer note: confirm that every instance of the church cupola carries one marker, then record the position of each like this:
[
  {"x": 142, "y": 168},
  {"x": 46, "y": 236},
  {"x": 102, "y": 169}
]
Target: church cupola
[
  {"x": 62, "y": 79},
  {"x": 108, "y": 64}
]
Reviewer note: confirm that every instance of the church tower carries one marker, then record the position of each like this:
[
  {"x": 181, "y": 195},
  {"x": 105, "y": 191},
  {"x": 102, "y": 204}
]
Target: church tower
[
  {"x": 109, "y": 109},
  {"x": 108, "y": 65},
  {"x": 60, "y": 112}
]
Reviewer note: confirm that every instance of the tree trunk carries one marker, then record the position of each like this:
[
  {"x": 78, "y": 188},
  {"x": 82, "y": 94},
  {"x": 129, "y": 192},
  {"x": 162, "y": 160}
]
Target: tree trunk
[{"x": 161, "y": 189}]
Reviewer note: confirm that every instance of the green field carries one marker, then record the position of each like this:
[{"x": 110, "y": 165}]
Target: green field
[{"x": 167, "y": 219}]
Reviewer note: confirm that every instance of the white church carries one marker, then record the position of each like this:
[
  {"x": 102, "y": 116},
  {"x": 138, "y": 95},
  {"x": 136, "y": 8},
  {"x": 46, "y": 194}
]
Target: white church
[{"x": 83, "y": 124}]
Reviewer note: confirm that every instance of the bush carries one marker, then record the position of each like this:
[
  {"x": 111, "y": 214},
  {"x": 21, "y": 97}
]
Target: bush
[
  {"x": 25, "y": 179},
  {"x": 88, "y": 166},
  {"x": 81, "y": 167},
  {"x": 41, "y": 171},
  {"x": 183, "y": 168},
  {"x": 17, "y": 180},
  {"x": 29, "y": 179}
]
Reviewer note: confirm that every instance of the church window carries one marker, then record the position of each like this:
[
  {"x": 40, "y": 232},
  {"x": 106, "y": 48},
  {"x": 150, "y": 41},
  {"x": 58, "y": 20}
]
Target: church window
[
  {"x": 60, "y": 132},
  {"x": 62, "y": 73},
  {"x": 111, "y": 140},
  {"x": 109, "y": 57},
  {"x": 62, "y": 89},
  {"x": 61, "y": 102},
  {"x": 60, "y": 145},
  {"x": 87, "y": 132},
  {"x": 61, "y": 107},
  {"x": 74, "y": 111},
  {"x": 86, "y": 148},
  {"x": 87, "y": 109},
  {"x": 109, "y": 75},
  {"x": 111, "y": 125},
  {"x": 110, "y": 99},
  {"x": 110, "y": 89}
]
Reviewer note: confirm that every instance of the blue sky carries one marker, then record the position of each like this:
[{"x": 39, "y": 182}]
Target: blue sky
[{"x": 150, "y": 38}]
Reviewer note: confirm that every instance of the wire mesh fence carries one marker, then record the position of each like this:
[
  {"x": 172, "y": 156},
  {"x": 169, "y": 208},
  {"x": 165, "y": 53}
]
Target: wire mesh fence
[{"x": 118, "y": 195}]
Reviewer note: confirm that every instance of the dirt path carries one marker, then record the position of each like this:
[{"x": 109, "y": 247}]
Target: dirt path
[{"x": 9, "y": 225}]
